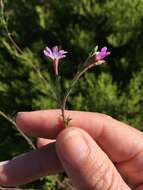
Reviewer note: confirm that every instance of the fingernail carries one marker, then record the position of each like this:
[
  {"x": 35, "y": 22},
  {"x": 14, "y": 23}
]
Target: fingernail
[
  {"x": 18, "y": 115},
  {"x": 4, "y": 162},
  {"x": 73, "y": 148}
]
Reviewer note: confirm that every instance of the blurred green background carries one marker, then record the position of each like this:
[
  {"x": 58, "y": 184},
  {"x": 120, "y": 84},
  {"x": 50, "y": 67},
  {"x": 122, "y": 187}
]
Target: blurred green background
[{"x": 77, "y": 26}]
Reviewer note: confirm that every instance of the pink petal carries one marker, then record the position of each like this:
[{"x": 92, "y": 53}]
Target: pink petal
[
  {"x": 63, "y": 52},
  {"x": 49, "y": 50},
  {"x": 108, "y": 53},
  {"x": 104, "y": 49},
  {"x": 46, "y": 53},
  {"x": 55, "y": 49},
  {"x": 61, "y": 56}
]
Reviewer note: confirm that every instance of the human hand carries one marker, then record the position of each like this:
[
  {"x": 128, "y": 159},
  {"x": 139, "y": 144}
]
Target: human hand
[{"x": 96, "y": 151}]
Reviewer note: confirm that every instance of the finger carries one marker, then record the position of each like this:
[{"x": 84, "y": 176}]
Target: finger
[
  {"x": 85, "y": 163},
  {"x": 42, "y": 142},
  {"x": 140, "y": 187},
  {"x": 44, "y": 124},
  {"x": 104, "y": 129},
  {"x": 132, "y": 169},
  {"x": 28, "y": 167}
]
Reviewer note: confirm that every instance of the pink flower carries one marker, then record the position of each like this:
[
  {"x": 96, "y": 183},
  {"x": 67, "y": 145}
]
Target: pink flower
[
  {"x": 102, "y": 54},
  {"x": 55, "y": 55},
  {"x": 97, "y": 58}
]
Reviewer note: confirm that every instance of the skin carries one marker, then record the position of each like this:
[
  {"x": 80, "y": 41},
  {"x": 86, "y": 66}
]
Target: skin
[{"x": 96, "y": 151}]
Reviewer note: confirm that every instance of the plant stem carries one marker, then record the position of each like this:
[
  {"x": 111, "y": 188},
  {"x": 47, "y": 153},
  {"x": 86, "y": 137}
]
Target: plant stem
[
  {"x": 76, "y": 78},
  {"x": 19, "y": 130},
  {"x": 7, "y": 31},
  {"x": 59, "y": 99},
  {"x": 81, "y": 71}
]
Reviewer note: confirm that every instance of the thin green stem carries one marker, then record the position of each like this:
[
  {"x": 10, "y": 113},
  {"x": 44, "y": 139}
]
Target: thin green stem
[
  {"x": 81, "y": 71},
  {"x": 19, "y": 130},
  {"x": 60, "y": 101},
  {"x": 63, "y": 107},
  {"x": 7, "y": 30},
  {"x": 76, "y": 78}
]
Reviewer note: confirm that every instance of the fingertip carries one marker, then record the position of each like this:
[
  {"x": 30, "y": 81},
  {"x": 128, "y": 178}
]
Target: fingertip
[
  {"x": 21, "y": 119},
  {"x": 30, "y": 166},
  {"x": 43, "y": 123},
  {"x": 42, "y": 142},
  {"x": 4, "y": 179},
  {"x": 72, "y": 146}
]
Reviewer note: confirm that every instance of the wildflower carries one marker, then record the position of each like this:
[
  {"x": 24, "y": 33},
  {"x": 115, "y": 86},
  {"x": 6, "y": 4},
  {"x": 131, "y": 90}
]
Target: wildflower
[
  {"x": 97, "y": 58},
  {"x": 55, "y": 55},
  {"x": 102, "y": 54}
]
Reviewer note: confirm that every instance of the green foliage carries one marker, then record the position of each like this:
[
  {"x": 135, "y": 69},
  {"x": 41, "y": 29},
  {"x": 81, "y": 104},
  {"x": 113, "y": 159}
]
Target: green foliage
[
  {"x": 78, "y": 26},
  {"x": 126, "y": 24},
  {"x": 50, "y": 182}
]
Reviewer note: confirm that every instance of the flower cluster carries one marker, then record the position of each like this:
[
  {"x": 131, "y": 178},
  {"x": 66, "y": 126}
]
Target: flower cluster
[{"x": 55, "y": 54}]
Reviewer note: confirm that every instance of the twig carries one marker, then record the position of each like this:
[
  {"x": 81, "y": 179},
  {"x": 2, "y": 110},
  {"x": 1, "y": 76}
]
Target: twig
[
  {"x": 81, "y": 71},
  {"x": 19, "y": 130}
]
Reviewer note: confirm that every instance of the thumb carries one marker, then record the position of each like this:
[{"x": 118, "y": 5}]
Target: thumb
[{"x": 87, "y": 166}]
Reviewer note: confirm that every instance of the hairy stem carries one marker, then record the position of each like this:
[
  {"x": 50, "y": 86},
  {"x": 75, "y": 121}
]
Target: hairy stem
[
  {"x": 81, "y": 71},
  {"x": 76, "y": 78}
]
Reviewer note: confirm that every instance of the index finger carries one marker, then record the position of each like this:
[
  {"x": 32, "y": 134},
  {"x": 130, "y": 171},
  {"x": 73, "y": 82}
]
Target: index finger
[{"x": 120, "y": 141}]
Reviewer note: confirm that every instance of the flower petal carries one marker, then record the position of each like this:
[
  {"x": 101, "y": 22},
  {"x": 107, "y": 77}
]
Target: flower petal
[
  {"x": 55, "y": 52},
  {"x": 62, "y": 56},
  {"x": 104, "y": 49},
  {"x": 49, "y": 50},
  {"x": 48, "y": 54},
  {"x": 63, "y": 52},
  {"x": 102, "y": 54},
  {"x": 108, "y": 53}
]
